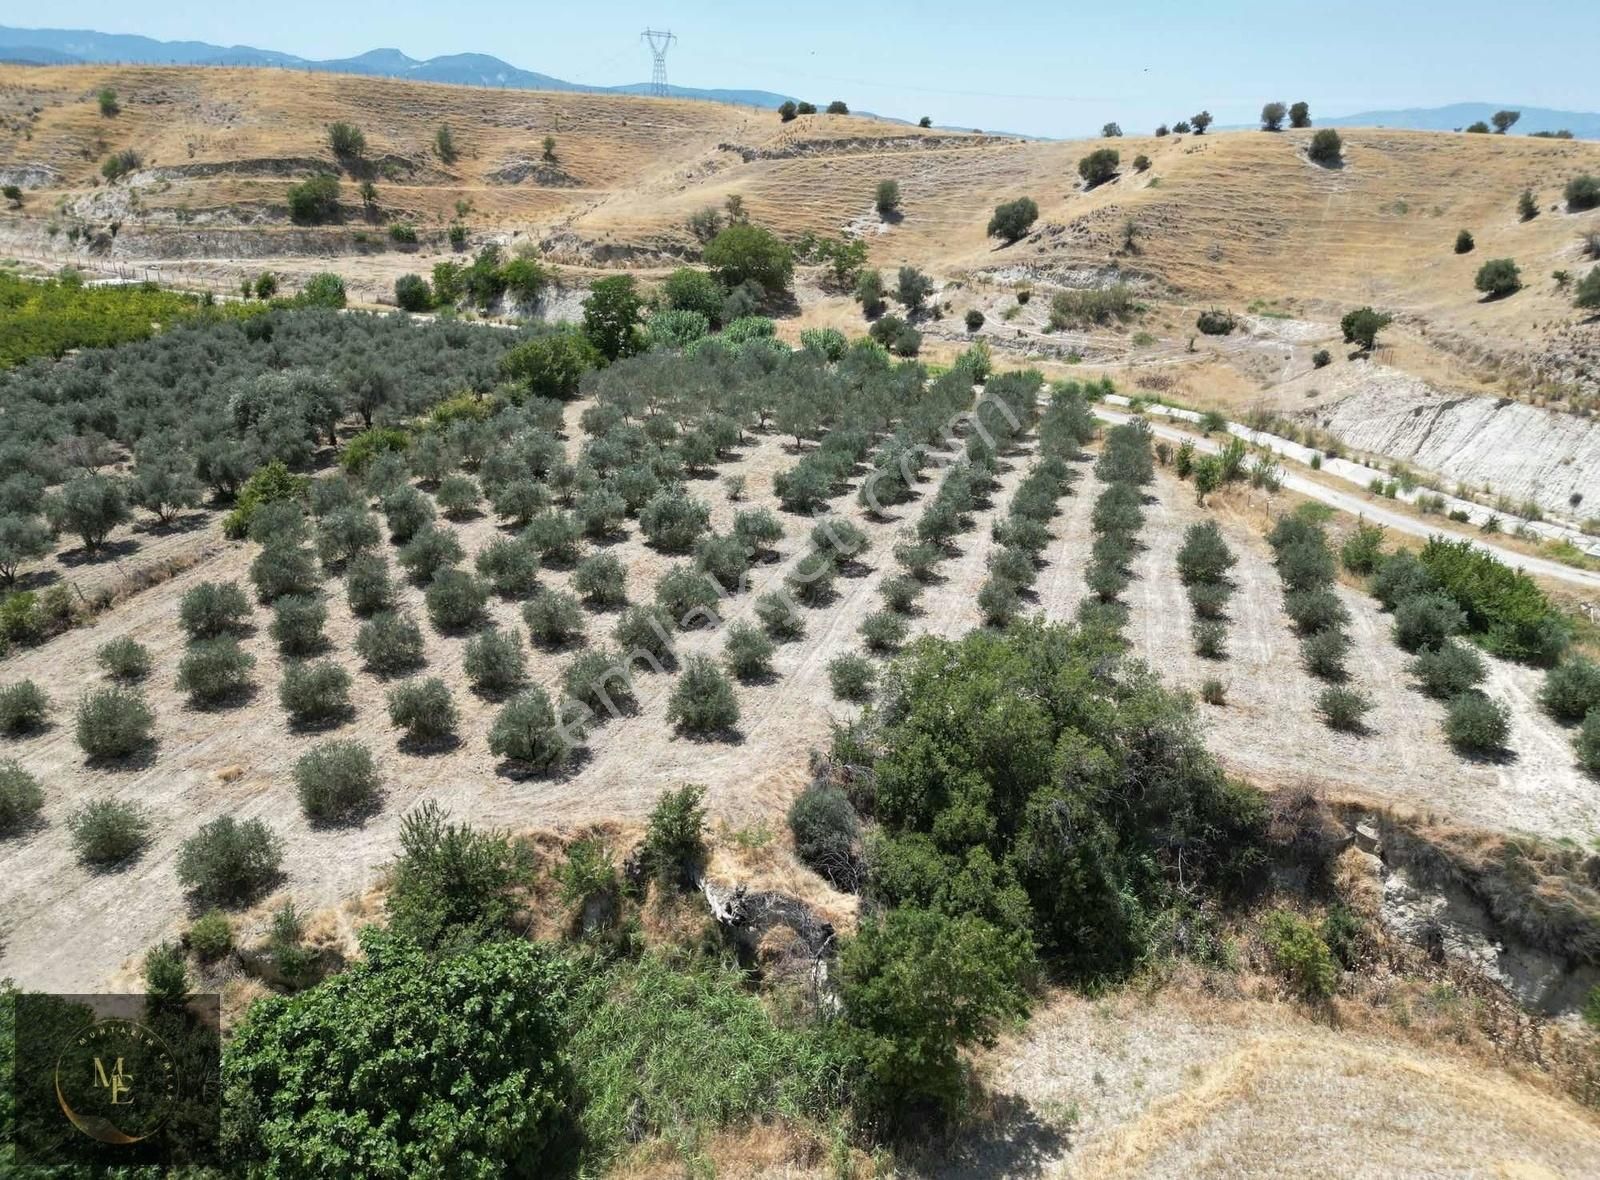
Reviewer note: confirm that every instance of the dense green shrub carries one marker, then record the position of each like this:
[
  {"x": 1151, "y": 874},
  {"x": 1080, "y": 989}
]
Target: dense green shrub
[
  {"x": 345, "y": 533},
  {"x": 20, "y": 798},
  {"x": 675, "y": 842},
  {"x": 779, "y": 617},
  {"x": 213, "y": 608},
  {"x": 1582, "y": 192},
  {"x": 1571, "y": 689},
  {"x": 1344, "y": 708},
  {"x": 1324, "y": 654},
  {"x": 493, "y": 662},
  {"x": 702, "y": 701},
  {"x": 455, "y": 600},
  {"x": 1300, "y": 953},
  {"x": 599, "y": 679},
  {"x": 1587, "y": 743},
  {"x": 1204, "y": 555},
  {"x": 314, "y": 200},
  {"x": 23, "y": 708},
  {"x": 1448, "y": 670},
  {"x": 557, "y": 537},
  {"x": 1505, "y": 609},
  {"x": 108, "y": 831},
  {"x": 673, "y": 520},
  {"x": 1464, "y": 242},
  {"x": 1426, "y": 621},
  {"x": 113, "y": 722},
  {"x": 430, "y": 550},
  {"x": 511, "y": 566},
  {"x": 1362, "y": 549},
  {"x": 884, "y": 630},
  {"x": 1477, "y": 724},
  {"x": 424, "y": 709},
  {"x": 528, "y": 733},
  {"x": 336, "y": 781},
  {"x": 900, "y": 593},
  {"x": 688, "y": 596},
  {"x": 748, "y": 652},
  {"x": 297, "y": 624},
  {"x": 493, "y": 1013},
  {"x": 827, "y": 834},
  {"x": 1013, "y": 219},
  {"x": 647, "y": 631},
  {"x": 390, "y": 642},
  {"x": 553, "y": 618},
  {"x": 602, "y": 580},
  {"x": 747, "y": 253},
  {"x": 315, "y": 694},
  {"x": 1000, "y": 603},
  {"x": 228, "y": 861},
  {"x": 1209, "y": 600},
  {"x": 851, "y": 677},
  {"x": 1099, "y": 166},
  {"x": 210, "y": 936},
  {"x": 1361, "y": 327},
  {"x": 1498, "y": 277},
  {"x": 368, "y": 587},
  {"x": 1326, "y": 148},
  {"x": 281, "y": 569},
  {"x": 215, "y": 672}
]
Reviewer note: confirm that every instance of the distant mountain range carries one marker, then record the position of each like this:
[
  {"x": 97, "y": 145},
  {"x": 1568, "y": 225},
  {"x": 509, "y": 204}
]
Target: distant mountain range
[{"x": 78, "y": 46}]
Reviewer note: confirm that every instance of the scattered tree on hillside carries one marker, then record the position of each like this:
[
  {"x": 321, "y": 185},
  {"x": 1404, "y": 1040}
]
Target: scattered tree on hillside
[
  {"x": 925, "y": 121},
  {"x": 444, "y": 144},
  {"x": 1272, "y": 116},
  {"x": 1201, "y": 122},
  {"x": 347, "y": 141},
  {"x": 838, "y": 108},
  {"x": 611, "y": 316},
  {"x": 1498, "y": 277},
  {"x": 1582, "y": 193},
  {"x": 1012, "y": 219},
  {"x": 1181, "y": 127},
  {"x": 806, "y": 108},
  {"x": 1527, "y": 207},
  {"x": 315, "y": 199},
  {"x": 747, "y": 253},
  {"x": 108, "y": 102},
  {"x": 1464, "y": 242},
  {"x": 13, "y": 193},
  {"x": 869, "y": 293},
  {"x": 1099, "y": 166},
  {"x": 1162, "y": 131},
  {"x": 888, "y": 198},
  {"x": 1326, "y": 148},
  {"x": 1111, "y": 131},
  {"x": 1361, "y": 327},
  {"x": 1504, "y": 120},
  {"x": 1588, "y": 293},
  {"x": 1300, "y": 115},
  {"x": 1478, "y": 128},
  {"x": 548, "y": 152},
  {"x": 912, "y": 288}
]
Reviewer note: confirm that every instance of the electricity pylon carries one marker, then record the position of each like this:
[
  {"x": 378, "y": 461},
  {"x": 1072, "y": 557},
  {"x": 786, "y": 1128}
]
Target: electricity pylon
[{"x": 659, "y": 41}]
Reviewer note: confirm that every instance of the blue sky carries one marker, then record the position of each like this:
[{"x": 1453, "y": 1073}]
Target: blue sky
[{"x": 1046, "y": 68}]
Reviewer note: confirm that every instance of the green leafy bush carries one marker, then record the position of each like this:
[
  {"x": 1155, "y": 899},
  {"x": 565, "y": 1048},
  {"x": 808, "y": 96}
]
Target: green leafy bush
[
  {"x": 1326, "y": 148},
  {"x": 281, "y": 569},
  {"x": 779, "y": 618},
  {"x": 492, "y": 1013},
  {"x": 1498, "y": 277},
  {"x": 20, "y": 798},
  {"x": 336, "y": 781},
  {"x": 113, "y": 722},
  {"x": 23, "y": 708},
  {"x": 215, "y": 672},
  {"x": 1477, "y": 724},
  {"x": 455, "y": 600},
  {"x": 674, "y": 842},
  {"x": 1448, "y": 670},
  {"x": 315, "y": 694},
  {"x": 297, "y": 624},
  {"x": 424, "y": 710},
  {"x": 1587, "y": 743},
  {"x": 647, "y": 631},
  {"x": 673, "y": 520},
  {"x": 702, "y": 701},
  {"x": 1204, "y": 555},
  {"x": 228, "y": 861},
  {"x": 1300, "y": 953},
  {"x": 1344, "y": 708},
  {"x": 553, "y": 618},
  {"x": 1426, "y": 621},
  {"x": 213, "y": 608},
  {"x": 1571, "y": 689},
  {"x": 493, "y": 662},
  {"x": 747, "y": 651},
  {"x": 602, "y": 580},
  {"x": 210, "y": 936},
  {"x": 528, "y": 732},
  {"x": 1505, "y": 609},
  {"x": 827, "y": 834},
  {"x": 390, "y": 642},
  {"x": 851, "y": 677},
  {"x": 1013, "y": 219},
  {"x": 108, "y": 831}
]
